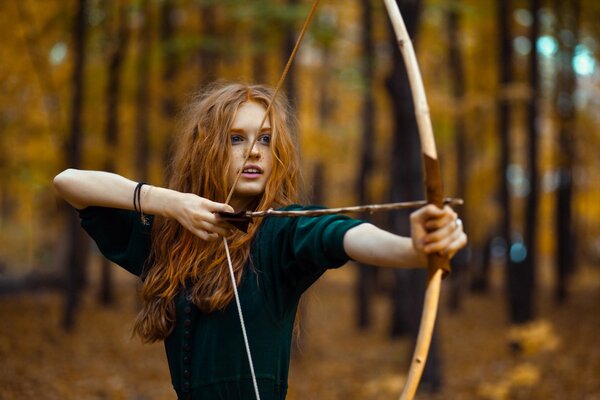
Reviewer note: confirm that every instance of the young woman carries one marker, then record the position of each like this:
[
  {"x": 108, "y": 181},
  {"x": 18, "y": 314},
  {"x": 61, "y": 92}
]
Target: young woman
[{"x": 187, "y": 292}]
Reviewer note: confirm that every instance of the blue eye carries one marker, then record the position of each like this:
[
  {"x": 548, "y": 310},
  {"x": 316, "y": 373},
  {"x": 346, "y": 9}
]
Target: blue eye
[
  {"x": 236, "y": 139},
  {"x": 265, "y": 139}
]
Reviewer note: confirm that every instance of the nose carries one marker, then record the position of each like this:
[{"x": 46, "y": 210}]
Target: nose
[{"x": 254, "y": 152}]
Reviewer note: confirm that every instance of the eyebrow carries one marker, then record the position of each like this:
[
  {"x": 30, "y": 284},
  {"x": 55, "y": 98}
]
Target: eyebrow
[{"x": 239, "y": 130}]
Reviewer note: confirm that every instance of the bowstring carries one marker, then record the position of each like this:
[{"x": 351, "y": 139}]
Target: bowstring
[
  {"x": 305, "y": 26},
  {"x": 277, "y": 88}
]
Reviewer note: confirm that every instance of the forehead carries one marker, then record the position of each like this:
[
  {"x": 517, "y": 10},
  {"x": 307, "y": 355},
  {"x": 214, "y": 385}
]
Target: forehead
[{"x": 249, "y": 116}]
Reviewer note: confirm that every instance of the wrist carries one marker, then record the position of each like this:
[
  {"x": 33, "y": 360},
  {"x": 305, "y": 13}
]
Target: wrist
[{"x": 159, "y": 201}]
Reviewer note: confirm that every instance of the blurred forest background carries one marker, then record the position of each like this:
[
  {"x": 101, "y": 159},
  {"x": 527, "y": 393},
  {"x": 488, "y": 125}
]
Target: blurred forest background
[{"x": 514, "y": 92}]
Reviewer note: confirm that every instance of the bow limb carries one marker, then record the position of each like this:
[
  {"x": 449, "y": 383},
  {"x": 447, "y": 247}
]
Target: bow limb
[{"x": 433, "y": 187}]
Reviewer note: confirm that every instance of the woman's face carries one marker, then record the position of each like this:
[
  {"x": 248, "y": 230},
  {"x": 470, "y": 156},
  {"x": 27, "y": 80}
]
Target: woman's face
[{"x": 258, "y": 167}]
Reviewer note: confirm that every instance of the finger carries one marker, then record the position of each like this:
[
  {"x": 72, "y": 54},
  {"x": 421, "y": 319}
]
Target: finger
[
  {"x": 428, "y": 211},
  {"x": 204, "y": 235},
  {"x": 440, "y": 240},
  {"x": 448, "y": 218},
  {"x": 213, "y": 206},
  {"x": 214, "y": 228},
  {"x": 439, "y": 234},
  {"x": 456, "y": 245},
  {"x": 211, "y": 237},
  {"x": 421, "y": 215}
]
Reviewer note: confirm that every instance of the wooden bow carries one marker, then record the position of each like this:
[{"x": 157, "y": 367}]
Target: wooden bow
[
  {"x": 433, "y": 186},
  {"x": 433, "y": 189}
]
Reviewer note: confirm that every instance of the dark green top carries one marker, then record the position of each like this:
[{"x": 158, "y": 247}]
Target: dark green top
[{"x": 206, "y": 352}]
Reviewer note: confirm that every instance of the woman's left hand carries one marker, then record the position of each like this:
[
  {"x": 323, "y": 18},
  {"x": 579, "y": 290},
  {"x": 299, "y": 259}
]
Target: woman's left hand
[{"x": 435, "y": 230}]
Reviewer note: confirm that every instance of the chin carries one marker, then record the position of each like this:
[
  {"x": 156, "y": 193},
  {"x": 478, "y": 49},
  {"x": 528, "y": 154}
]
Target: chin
[
  {"x": 250, "y": 189},
  {"x": 249, "y": 193}
]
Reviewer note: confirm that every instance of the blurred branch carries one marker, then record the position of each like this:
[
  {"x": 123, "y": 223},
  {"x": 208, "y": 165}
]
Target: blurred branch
[{"x": 31, "y": 283}]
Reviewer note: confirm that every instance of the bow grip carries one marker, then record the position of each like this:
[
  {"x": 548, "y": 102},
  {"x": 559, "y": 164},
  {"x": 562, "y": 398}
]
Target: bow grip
[{"x": 434, "y": 193}]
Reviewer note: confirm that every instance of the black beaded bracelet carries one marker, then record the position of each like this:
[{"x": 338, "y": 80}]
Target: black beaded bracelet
[{"x": 137, "y": 202}]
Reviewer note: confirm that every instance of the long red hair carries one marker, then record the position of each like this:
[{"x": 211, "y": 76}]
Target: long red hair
[{"x": 200, "y": 160}]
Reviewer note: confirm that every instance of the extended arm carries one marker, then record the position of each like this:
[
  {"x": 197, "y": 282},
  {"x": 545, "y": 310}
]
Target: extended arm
[
  {"x": 432, "y": 231},
  {"x": 96, "y": 188}
]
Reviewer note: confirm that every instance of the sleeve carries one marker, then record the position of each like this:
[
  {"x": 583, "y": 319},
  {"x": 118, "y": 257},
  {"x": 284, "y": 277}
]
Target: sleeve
[
  {"x": 119, "y": 234},
  {"x": 311, "y": 245},
  {"x": 319, "y": 241}
]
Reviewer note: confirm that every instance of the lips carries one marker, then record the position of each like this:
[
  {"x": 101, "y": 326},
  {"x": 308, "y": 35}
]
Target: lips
[{"x": 252, "y": 170}]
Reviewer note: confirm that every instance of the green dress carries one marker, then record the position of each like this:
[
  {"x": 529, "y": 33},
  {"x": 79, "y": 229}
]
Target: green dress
[{"x": 206, "y": 353}]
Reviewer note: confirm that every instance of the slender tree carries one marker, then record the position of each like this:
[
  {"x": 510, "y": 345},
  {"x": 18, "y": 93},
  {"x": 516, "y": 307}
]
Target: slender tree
[
  {"x": 170, "y": 68},
  {"x": 143, "y": 94},
  {"x": 326, "y": 25},
  {"x": 524, "y": 272},
  {"x": 366, "y": 273},
  {"x": 406, "y": 183},
  {"x": 520, "y": 270},
  {"x": 207, "y": 52},
  {"x": 77, "y": 242},
  {"x": 116, "y": 38},
  {"x": 289, "y": 41},
  {"x": 457, "y": 79},
  {"x": 569, "y": 14},
  {"x": 4, "y": 185},
  {"x": 505, "y": 60},
  {"x": 259, "y": 55}
]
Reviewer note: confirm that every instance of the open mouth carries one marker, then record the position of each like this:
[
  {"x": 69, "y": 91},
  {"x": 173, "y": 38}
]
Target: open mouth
[{"x": 252, "y": 170}]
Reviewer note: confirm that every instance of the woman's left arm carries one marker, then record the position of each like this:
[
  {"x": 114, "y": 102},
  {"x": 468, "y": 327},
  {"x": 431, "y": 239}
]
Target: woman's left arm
[{"x": 433, "y": 230}]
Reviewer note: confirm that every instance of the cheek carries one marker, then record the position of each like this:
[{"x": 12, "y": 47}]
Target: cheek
[
  {"x": 269, "y": 160},
  {"x": 234, "y": 161},
  {"x": 237, "y": 157}
]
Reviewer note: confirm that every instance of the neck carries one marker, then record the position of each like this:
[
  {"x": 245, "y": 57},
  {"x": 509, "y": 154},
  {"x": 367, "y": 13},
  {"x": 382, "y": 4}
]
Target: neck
[{"x": 243, "y": 203}]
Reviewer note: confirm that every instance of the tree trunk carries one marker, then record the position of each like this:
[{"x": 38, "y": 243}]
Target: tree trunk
[
  {"x": 504, "y": 117},
  {"x": 524, "y": 272},
  {"x": 406, "y": 183},
  {"x": 568, "y": 14},
  {"x": 169, "y": 74},
  {"x": 208, "y": 56},
  {"x": 459, "y": 262},
  {"x": 4, "y": 183},
  {"x": 480, "y": 280},
  {"x": 143, "y": 94},
  {"x": 117, "y": 45},
  {"x": 259, "y": 55},
  {"x": 289, "y": 42},
  {"x": 78, "y": 243},
  {"x": 406, "y": 169},
  {"x": 366, "y": 273},
  {"x": 521, "y": 267}
]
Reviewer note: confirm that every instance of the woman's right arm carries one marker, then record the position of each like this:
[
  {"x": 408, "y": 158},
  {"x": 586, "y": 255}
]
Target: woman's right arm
[{"x": 82, "y": 189}]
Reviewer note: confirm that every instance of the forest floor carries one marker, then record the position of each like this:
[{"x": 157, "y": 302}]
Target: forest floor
[{"x": 99, "y": 359}]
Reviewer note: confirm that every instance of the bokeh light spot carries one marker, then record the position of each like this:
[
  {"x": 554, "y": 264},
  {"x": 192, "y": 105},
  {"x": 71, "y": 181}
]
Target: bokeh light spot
[{"x": 58, "y": 53}]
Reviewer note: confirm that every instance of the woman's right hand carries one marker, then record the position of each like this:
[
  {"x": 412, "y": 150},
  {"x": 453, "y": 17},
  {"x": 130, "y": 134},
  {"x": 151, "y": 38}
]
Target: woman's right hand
[{"x": 199, "y": 216}]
